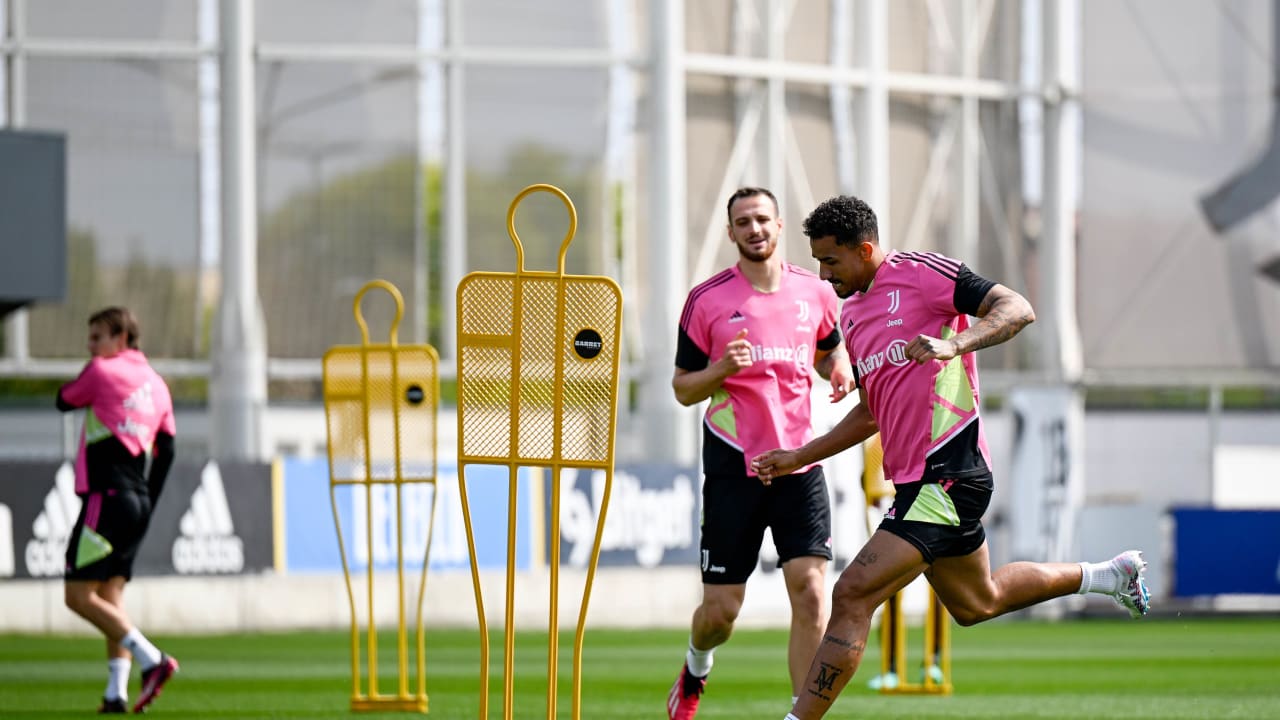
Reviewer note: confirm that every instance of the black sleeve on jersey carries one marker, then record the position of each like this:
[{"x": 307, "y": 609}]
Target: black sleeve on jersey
[
  {"x": 830, "y": 342},
  {"x": 857, "y": 377},
  {"x": 971, "y": 290},
  {"x": 688, "y": 355},
  {"x": 63, "y": 405},
  {"x": 161, "y": 460}
]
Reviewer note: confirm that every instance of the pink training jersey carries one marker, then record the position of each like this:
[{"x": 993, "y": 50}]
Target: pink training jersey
[
  {"x": 928, "y": 414},
  {"x": 125, "y": 399},
  {"x": 766, "y": 405}
]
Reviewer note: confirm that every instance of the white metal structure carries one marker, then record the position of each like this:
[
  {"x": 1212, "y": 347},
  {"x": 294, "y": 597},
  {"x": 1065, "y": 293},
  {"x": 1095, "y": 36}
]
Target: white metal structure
[{"x": 910, "y": 91}]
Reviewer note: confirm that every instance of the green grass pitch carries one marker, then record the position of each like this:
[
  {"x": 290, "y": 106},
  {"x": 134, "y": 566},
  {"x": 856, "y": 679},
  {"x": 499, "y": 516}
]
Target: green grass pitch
[{"x": 1165, "y": 668}]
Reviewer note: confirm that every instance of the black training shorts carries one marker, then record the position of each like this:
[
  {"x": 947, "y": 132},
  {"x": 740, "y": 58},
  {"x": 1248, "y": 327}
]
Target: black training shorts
[
  {"x": 737, "y": 508},
  {"x": 942, "y": 518},
  {"x": 120, "y": 518}
]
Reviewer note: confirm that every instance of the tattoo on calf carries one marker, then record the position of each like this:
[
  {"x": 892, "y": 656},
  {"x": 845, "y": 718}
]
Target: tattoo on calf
[
  {"x": 823, "y": 686},
  {"x": 854, "y": 646},
  {"x": 838, "y": 641},
  {"x": 826, "y": 681}
]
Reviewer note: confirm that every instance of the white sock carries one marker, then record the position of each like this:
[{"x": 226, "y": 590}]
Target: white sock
[
  {"x": 794, "y": 700},
  {"x": 790, "y": 717},
  {"x": 1098, "y": 578},
  {"x": 117, "y": 679},
  {"x": 147, "y": 654},
  {"x": 699, "y": 661}
]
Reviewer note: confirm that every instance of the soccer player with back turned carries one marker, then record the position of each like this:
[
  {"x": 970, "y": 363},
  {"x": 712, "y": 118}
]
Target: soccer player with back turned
[{"x": 129, "y": 414}]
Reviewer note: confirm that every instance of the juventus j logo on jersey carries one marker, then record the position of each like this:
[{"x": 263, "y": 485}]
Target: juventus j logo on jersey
[
  {"x": 893, "y": 301},
  {"x": 802, "y": 314}
]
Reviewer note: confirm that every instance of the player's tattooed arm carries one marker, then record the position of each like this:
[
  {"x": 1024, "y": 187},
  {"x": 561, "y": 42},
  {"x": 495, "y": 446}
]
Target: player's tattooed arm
[{"x": 1001, "y": 315}]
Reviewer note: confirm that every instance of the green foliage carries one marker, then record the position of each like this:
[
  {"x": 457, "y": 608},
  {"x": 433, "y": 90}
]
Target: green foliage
[
  {"x": 1189, "y": 398},
  {"x": 29, "y": 392},
  {"x": 60, "y": 330},
  {"x": 322, "y": 245},
  {"x": 541, "y": 220},
  {"x": 162, "y": 297},
  {"x": 24, "y": 392}
]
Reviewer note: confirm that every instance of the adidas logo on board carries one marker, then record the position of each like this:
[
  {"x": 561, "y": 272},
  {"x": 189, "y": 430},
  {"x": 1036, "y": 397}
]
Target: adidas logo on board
[
  {"x": 208, "y": 543},
  {"x": 46, "y": 552}
]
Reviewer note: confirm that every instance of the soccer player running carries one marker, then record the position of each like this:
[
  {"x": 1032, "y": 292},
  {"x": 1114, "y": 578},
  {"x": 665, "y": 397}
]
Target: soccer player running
[
  {"x": 748, "y": 339},
  {"x": 906, "y": 326},
  {"x": 129, "y": 414}
]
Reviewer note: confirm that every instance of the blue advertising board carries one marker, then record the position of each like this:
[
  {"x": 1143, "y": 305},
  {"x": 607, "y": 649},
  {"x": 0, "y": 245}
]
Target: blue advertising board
[
  {"x": 311, "y": 541},
  {"x": 1226, "y": 552},
  {"x": 652, "y": 519}
]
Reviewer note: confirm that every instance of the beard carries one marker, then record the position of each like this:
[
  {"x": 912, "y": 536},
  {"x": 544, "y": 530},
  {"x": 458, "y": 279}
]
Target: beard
[{"x": 747, "y": 252}]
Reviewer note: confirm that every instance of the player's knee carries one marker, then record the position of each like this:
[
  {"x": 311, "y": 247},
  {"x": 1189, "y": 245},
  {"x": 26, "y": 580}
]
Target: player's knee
[
  {"x": 807, "y": 605},
  {"x": 721, "y": 617},
  {"x": 851, "y": 599},
  {"x": 720, "y": 614},
  {"x": 75, "y": 599}
]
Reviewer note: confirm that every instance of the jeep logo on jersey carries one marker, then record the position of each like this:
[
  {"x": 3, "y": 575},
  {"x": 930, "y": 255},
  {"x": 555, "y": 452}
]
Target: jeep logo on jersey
[
  {"x": 587, "y": 343},
  {"x": 208, "y": 543}
]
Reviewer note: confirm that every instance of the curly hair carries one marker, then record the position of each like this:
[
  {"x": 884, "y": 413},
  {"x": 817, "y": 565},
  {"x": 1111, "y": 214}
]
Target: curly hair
[{"x": 846, "y": 218}]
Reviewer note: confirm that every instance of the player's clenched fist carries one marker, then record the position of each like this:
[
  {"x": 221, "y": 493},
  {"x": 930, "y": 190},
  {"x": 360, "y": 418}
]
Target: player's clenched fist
[
  {"x": 774, "y": 464},
  {"x": 737, "y": 353},
  {"x": 925, "y": 348}
]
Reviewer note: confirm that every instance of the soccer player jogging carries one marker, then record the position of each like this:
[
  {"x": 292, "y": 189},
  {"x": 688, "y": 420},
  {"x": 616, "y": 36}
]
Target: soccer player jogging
[
  {"x": 748, "y": 340},
  {"x": 906, "y": 326},
  {"x": 129, "y": 414}
]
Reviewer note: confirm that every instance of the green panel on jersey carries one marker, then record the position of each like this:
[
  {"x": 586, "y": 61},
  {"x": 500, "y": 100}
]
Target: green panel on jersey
[
  {"x": 953, "y": 386},
  {"x": 91, "y": 548},
  {"x": 94, "y": 430},
  {"x": 933, "y": 505},
  {"x": 943, "y": 420},
  {"x": 724, "y": 417}
]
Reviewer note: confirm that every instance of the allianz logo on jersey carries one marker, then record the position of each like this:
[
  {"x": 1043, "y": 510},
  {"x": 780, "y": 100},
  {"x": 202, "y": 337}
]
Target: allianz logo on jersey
[
  {"x": 799, "y": 354},
  {"x": 46, "y": 551},
  {"x": 895, "y": 354},
  {"x": 141, "y": 400},
  {"x": 207, "y": 542}
]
